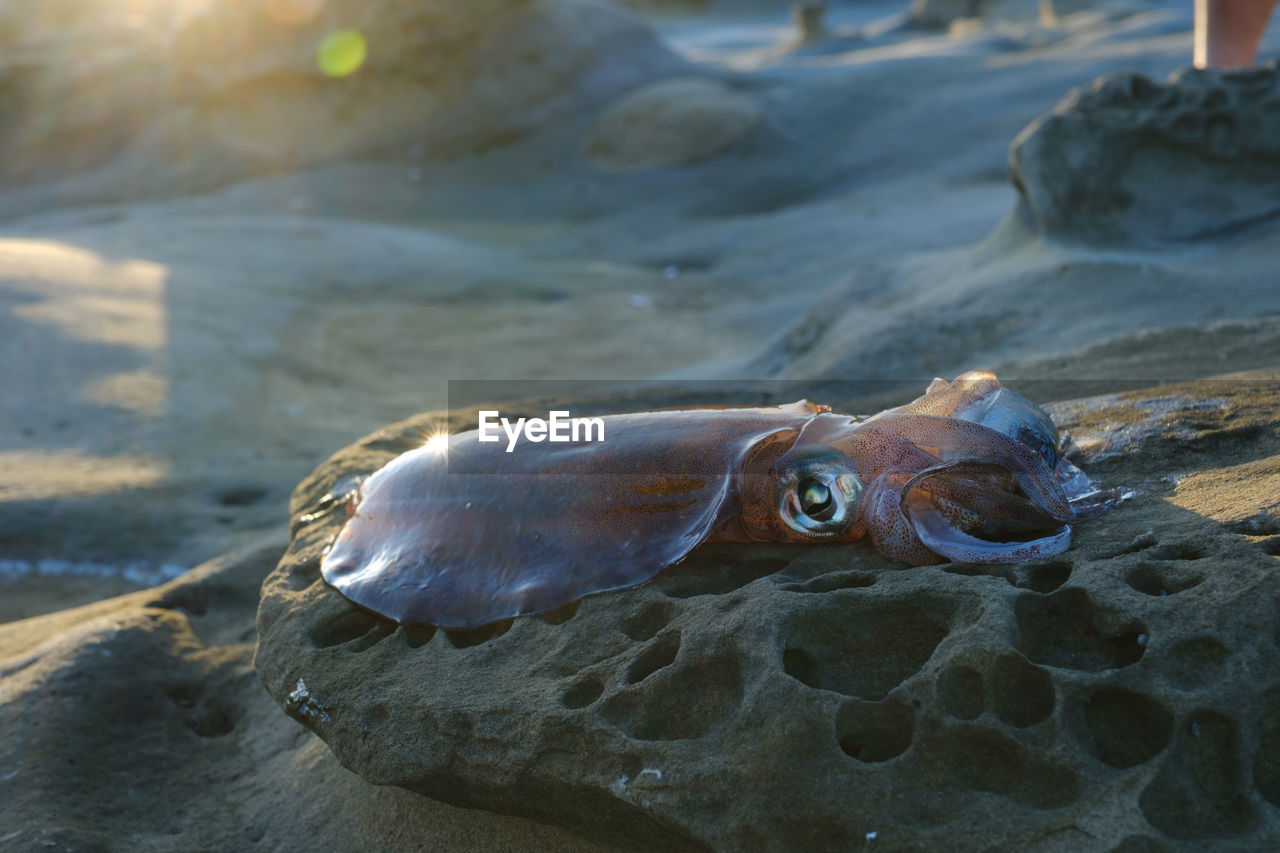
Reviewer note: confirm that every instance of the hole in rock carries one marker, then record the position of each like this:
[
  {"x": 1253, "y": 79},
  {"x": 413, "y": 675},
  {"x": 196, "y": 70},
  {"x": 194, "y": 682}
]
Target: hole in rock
[
  {"x": 865, "y": 648},
  {"x": 1061, "y": 629},
  {"x": 1021, "y": 694},
  {"x": 1177, "y": 551},
  {"x": 1258, "y": 524},
  {"x": 1142, "y": 90},
  {"x": 648, "y": 620},
  {"x": 1198, "y": 793},
  {"x": 659, "y": 654},
  {"x": 1271, "y": 546},
  {"x": 803, "y": 832},
  {"x": 1216, "y": 99},
  {"x": 186, "y": 599},
  {"x": 873, "y": 732},
  {"x": 457, "y": 723},
  {"x": 240, "y": 495},
  {"x": 1047, "y": 577},
  {"x": 417, "y": 636},
  {"x": 561, "y": 614},
  {"x": 961, "y": 692},
  {"x": 1124, "y": 728},
  {"x": 582, "y": 693},
  {"x": 212, "y": 721},
  {"x": 302, "y": 574},
  {"x": 183, "y": 695},
  {"x": 972, "y": 570},
  {"x": 1141, "y": 542},
  {"x": 1187, "y": 124},
  {"x": 378, "y": 634},
  {"x": 975, "y": 758},
  {"x": 714, "y": 573},
  {"x": 798, "y": 664},
  {"x": 1219, "y": 439},
  {"x": 1266, "y": 761},
  {"x": 1219, "y": 132},
  {"x": 1156, "y": 579},
  {"x": 1139, "y": 844},
  {"x": 1195, "y": 662},
  {"x": 687, "y": 703},
  {"x": 351, "y": 625},
  {"x": 464, "y": 638},
  {"x": 833, "y": 582}
]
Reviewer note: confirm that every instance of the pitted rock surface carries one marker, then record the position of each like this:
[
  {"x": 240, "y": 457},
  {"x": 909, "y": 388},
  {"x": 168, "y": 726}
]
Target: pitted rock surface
[
  {"x": 1129, "y": 160},
  {"x": 1122, "y": 695}
]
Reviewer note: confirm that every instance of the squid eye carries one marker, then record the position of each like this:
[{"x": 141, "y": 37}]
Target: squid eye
[
  {"x": 818, "y": 498},
  {"x": 815, "y": 498}
]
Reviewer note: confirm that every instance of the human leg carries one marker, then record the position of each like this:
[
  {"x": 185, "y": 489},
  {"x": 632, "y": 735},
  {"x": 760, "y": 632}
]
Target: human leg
[{"x": 1227, "y": 32}]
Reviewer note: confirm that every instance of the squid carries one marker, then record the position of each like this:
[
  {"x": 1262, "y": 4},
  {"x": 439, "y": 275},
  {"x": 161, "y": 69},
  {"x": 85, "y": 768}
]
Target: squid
[{"x": 461, "y": 533}]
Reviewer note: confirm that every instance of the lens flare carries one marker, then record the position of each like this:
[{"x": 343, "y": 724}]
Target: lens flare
[
  {"x": 437, "y": 442},
  {"x": 341, "y": 53}
]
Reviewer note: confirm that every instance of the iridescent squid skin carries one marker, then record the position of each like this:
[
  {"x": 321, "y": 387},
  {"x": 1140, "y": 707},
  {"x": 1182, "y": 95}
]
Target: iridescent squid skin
[{"x": 466, "y": 534}]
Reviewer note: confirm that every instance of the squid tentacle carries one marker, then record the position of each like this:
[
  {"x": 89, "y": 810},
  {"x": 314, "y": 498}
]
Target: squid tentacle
[
  {"x": 888, "y": 526},
  {"x": 937, "y": 534},
  {"x": 963, "y": 441},
  {"x": 985, "y": 510},
  {"x": 913, "y": 526}
]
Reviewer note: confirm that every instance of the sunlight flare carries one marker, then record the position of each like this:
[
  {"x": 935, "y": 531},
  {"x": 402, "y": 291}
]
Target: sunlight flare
[
  {"x": 341, "y": 53},
  {"x": 437, "y": 442}
]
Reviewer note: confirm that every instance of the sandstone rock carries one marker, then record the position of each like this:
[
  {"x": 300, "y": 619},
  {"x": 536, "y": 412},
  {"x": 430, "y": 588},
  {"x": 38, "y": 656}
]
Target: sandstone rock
[
  {"x": 1132, "y": 161},
  {"x": 942, "y": 13},
  {"x": 1119, "y": 695},
  {"x": 236, "y": 93},
  {"x": 671, "y": 123},
  {"x": 1093, "y": 316},
  {"x": 724, "y": 7},
  {"x": 62, "y": 117},
  {"x": 667, "y": 6},
  {"x": 24, "y": 19},
  {"x": 137, "y": 722}
]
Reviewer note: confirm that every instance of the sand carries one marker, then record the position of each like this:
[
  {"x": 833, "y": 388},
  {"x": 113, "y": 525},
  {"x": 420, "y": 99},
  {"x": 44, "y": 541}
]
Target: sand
[{"x": 191, "y": 321}]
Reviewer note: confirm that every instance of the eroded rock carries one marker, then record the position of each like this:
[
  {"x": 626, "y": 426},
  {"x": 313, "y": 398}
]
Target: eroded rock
[
  {"x": 1132, "y": 161},
  {"x": 674, "y": 122},
  {"x": 774, "y": 697},
  {"x": 138, "y": 722},
  {"x": 941, "y": 13},
  {"x": 242, "y": 89}
]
